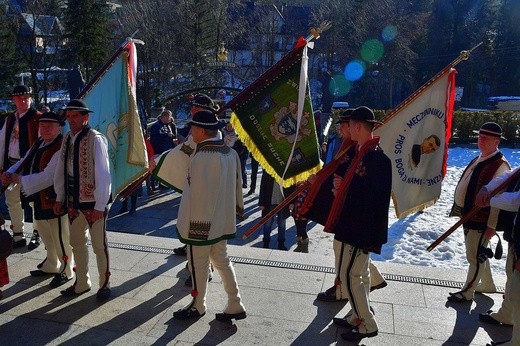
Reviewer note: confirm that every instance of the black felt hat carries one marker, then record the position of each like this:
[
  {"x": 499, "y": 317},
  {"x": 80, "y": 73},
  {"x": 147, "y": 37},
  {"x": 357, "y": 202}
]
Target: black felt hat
[
  {"x": 363, "y": 113},
  {"x": 343, "y": 117},
  {"x": 204, "y": 101},
  {"x": 21, "y": 90},
  {"x": 206, "y": 120},
  {"x": 51, "y": 117},
  {"x": 77, "y": 105},
  {"x": 490, "y": 129}
]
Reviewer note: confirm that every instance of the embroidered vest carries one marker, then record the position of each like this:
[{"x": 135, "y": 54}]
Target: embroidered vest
[
  {"x": 79, "y": 188},
  {"x": 27, "y": 135},
  {"x": 44, "y": 199},
  {"x": 482, "y": 174}
]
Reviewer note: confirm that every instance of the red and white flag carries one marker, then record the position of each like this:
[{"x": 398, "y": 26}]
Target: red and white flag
[{"x": 415, "y": 136}]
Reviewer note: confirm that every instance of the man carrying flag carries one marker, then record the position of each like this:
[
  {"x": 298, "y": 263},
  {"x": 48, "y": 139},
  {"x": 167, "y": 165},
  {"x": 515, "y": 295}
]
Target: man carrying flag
[
  {"x": 481, "y": 227},
  {"x": 359, "y": 218},
  {"x": 317, "y": 204}
]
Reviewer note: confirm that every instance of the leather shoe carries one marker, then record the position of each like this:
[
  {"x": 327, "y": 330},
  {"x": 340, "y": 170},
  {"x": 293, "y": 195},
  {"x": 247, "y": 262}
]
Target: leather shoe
[
  {"x": 379, "y": 286},
  {"x": 58, "y": 280},
  {"x": 458, "y": 297},
  {"x": 71, "y": 292},
  {"x": 496, "y": 343},
  {"x": 103, "y": 294},
  {"x": 342, "y": 322},
  {"x": 330, "y": 296},
  {"x": 487, "y": 318},
  {"x": 34, "y": 242},
  {"x": 355, "y": 335},
  {"x": 39, "y": 266},
  {"x": 181, "y": 251},
  {"x": 19, "y": 243},
  {"x": 39, "y": 273},
  {"x": 228, "y": 317},
  {"x": 187, "y": 314}
]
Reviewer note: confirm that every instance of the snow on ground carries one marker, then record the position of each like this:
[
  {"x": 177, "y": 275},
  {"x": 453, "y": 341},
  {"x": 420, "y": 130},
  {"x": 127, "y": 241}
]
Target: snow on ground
[{"x": 408, "y": 238}]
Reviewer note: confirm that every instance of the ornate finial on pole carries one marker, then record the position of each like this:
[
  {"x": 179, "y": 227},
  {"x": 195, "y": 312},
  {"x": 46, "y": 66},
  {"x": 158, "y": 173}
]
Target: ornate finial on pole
[
  {"x": 464, "y": 55},
  {"x": 315, "y": 32}
]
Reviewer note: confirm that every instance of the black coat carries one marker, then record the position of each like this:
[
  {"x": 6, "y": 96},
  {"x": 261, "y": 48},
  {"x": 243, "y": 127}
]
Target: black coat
[
  {"x": 363, "y": 221},
  {"x": 266, "y": 193},
  {"x": 324, "y": 198}
]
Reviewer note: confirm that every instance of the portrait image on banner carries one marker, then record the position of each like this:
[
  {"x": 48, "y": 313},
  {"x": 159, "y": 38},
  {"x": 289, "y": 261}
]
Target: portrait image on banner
[{"x": 416, "y": 141}]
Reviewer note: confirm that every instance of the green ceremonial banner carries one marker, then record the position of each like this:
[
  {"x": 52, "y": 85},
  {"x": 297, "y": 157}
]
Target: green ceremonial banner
[
  {"x": 111, "y": 96},
  {"x": 265, "y": 117}
]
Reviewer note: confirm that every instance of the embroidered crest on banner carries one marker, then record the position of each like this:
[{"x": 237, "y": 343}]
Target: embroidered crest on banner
[{"x": 285, "y": 121}]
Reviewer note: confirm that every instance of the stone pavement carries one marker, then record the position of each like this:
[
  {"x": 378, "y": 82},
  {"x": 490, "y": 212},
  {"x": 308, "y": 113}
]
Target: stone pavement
[{"x": 278, "y": 288}]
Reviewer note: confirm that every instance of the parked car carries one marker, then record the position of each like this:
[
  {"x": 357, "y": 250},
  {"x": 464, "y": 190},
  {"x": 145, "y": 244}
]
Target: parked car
[{"x": 504, "y": 103}]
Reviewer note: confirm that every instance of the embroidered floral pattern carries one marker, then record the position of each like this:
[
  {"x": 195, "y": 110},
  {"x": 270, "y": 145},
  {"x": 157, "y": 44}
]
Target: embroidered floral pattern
[
  {"x": 213, "y": 147},
  {"x": 186, "y": 149},
  {"x": 86, "y": 168},
  {"x": 199, "y": 230}
]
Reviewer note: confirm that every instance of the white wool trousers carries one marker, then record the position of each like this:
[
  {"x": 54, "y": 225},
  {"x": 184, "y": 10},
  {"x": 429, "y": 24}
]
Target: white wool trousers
[
  {"x": 79, "y": 232},
  {"x": 198, "y": 263},
  {"x": 14, "y": 206},
  {"x": 515, "y": 302},
  {"x": 477, "y": 272},
  {"x": 357, "y": 282},
  {"x": 505, "y": 313},
  {"x": 56, "y": 237},
  {"x": 373, "y": 278}
]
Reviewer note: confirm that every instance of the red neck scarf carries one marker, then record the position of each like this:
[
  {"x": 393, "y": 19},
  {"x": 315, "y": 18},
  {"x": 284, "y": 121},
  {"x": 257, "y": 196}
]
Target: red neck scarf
[
  {"x": 339, "y": 199},
  {"x": 324, "y": 173}
]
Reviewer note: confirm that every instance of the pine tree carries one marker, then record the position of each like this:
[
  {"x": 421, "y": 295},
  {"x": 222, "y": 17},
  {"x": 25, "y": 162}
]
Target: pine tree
[
  {"x": 9, "y": 65},
  {"x": 507, "y": 51},
  {"x": 89, "y": 37}
]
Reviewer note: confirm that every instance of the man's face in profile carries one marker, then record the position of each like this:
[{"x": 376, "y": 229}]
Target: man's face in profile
[{"x": 429, "y": 145}]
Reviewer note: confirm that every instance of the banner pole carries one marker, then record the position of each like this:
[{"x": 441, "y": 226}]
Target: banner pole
[
  {"x": 275, "y": 210},
  {"x": 472, "y": 211},
  {"x": 464, "y": 55},
  {"x": 289, "y": 198},
  {"x": 315, "y": 34},
  {"x": 105, "y": 66}
]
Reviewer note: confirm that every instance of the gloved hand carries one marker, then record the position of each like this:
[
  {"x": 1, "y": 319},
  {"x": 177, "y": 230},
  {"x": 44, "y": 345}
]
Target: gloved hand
[{"x": 484, "y": 253}]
